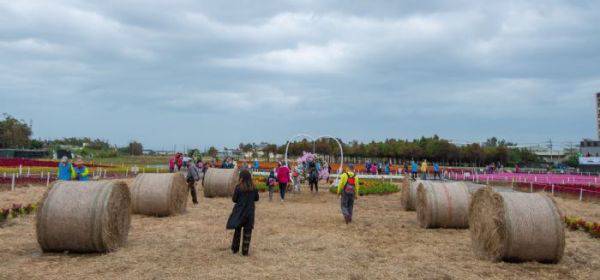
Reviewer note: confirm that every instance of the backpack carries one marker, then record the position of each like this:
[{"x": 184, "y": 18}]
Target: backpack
[
  {"x": 350, "y": 187},
  {"x": 272, "y": 181}
]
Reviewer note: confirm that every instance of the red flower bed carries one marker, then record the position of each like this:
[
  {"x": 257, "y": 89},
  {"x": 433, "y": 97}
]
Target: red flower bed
[{"x": 16, "y": 162}]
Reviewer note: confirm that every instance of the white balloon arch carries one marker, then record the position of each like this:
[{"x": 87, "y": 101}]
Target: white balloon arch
[{"x": 315, "y": 139}]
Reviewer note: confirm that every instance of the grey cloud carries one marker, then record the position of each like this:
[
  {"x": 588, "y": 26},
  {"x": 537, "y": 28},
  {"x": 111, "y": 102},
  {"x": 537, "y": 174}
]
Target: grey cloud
[{"x": 242, "y": 71}]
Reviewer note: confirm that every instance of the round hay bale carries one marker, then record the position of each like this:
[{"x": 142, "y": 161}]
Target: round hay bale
[
  {"x": 408, "y": 197},
  {"x": 219, "y": 182},
  {"x": 443, "y": 205},
  {"x": 159, "y": 194},
  {"x": 84, "y": 217},
  {"x": 514, "y": 226}
]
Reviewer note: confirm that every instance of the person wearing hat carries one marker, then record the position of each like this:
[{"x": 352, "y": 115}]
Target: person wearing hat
[
  {"x": 80, "y": 171},
  {"x": 348, "y": 188},
  {"x": 65, "y": 169}
]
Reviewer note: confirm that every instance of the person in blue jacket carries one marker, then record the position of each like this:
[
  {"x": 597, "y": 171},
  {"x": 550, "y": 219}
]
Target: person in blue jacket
[
  {"x": 414, "y": 169},
  {"x": 80, "y": 171},
  {"x": 65, "y": 169},
  {"x": 436, "y": 171}
]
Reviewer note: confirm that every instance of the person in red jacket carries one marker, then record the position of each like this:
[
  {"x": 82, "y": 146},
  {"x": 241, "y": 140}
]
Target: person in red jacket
[
  {"x": 283, "y": 176},
  {"x": 179, "y": 161},
  {"x": 172, "y": 164}
]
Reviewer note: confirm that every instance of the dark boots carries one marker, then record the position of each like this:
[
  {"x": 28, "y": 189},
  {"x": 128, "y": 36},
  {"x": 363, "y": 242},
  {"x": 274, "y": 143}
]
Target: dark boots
[
  {"x": 235, "y": 245},
  {"x": 246, "y": 242}
]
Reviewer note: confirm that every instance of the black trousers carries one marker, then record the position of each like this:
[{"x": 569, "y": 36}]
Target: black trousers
[
  {"x": 314, "y": 183},
  {"x": 235, "y": 244},
  {"x": 192, "y": 187}
]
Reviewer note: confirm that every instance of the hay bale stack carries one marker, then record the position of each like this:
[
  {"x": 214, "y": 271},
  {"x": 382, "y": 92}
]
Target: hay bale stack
[
  {"x": 514, "y": 226},
  {"x": 220, "y": 182},
  {"x": 159, "y": 194},
  {"x": 443, "y": 205},
  {"x": 408, "y": 197},
  {"x": 84, "y": 217}
]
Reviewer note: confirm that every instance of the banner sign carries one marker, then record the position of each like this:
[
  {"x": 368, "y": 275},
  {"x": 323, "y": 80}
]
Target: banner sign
[{"x": 589, "y": 160}]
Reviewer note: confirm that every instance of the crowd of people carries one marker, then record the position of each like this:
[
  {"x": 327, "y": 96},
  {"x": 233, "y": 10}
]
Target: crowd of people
[{"x": 414, "y": 168}]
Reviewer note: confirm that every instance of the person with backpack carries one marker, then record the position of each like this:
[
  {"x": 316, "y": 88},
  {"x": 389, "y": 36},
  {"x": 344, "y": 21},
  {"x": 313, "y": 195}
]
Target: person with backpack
[
  {"x": 348, "y": 188},
  {"x": 242, "y": 214},
  {"x": 313, "y": 177},
  {"x": 271, "y": 183},
  {"x": 193, "y": 176}
]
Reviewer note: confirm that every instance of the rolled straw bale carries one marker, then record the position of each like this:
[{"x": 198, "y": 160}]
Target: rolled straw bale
[
  {"x": 159, "y": 194},
  {"x": 408, "y": 197},
  {"x": 84, "y": 217},
  {"x": 220, "y": 182},
  {"x": 443, "y": 205},
  {"x": 515, "y": 226}
]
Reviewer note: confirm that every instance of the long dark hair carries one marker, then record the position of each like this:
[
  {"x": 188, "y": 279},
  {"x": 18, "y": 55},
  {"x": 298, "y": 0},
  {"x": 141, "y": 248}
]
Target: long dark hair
[{"x": 246, "y": 184}]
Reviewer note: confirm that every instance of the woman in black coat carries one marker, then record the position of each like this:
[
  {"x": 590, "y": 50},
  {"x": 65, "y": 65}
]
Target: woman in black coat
[{"x": 242, "y": 215}]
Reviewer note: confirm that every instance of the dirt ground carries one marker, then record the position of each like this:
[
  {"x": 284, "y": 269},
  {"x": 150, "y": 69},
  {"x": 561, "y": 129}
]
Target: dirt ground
[{"x": 303, "y": 238}]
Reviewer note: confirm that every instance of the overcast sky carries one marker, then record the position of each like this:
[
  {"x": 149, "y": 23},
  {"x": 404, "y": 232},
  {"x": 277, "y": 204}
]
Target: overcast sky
[{"x": 198, "y": 74}]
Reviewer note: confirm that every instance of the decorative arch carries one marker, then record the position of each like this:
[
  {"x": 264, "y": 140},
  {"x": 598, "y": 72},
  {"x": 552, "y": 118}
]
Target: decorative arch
[{"x": 314, "y": 139}]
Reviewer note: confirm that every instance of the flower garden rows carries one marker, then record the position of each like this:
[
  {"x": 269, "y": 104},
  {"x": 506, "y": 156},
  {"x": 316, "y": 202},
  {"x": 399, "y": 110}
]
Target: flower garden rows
[
  {"x": 577, "y": 223},
  {"x": 15, "y": 211}
]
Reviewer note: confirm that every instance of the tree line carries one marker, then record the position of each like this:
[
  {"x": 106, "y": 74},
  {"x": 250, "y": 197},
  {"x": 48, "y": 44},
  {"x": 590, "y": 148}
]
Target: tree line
[
  {"x": 16, "y": 134},
  {"x": 430, "y": 148}
]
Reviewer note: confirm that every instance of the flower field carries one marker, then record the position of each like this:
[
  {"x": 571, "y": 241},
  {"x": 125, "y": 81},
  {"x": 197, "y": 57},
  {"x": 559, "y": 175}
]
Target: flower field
[
  {"x": 368, "y": 187},
  {"x": 15, "y": 211},
  {"x": 578, "y": 223}
]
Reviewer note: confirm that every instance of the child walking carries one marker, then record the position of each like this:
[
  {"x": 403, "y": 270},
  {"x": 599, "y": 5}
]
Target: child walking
[
  {"x": 242, "y": 215},
  {"x": 296, "y": 179},
  {"x": 271, "y": 183}
]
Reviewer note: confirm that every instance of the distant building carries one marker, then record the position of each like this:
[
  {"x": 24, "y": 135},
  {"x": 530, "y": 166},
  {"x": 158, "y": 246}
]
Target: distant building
[
  {"x": 233, "y": 153},
  {"x": 550, "y": 156},
  {"x": 23, "y": 153},
  {"x": 589, "y": 148}
]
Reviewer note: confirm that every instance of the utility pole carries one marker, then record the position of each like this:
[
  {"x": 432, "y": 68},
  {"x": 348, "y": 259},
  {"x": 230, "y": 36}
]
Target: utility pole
[{"x": 550, "y": 146}]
